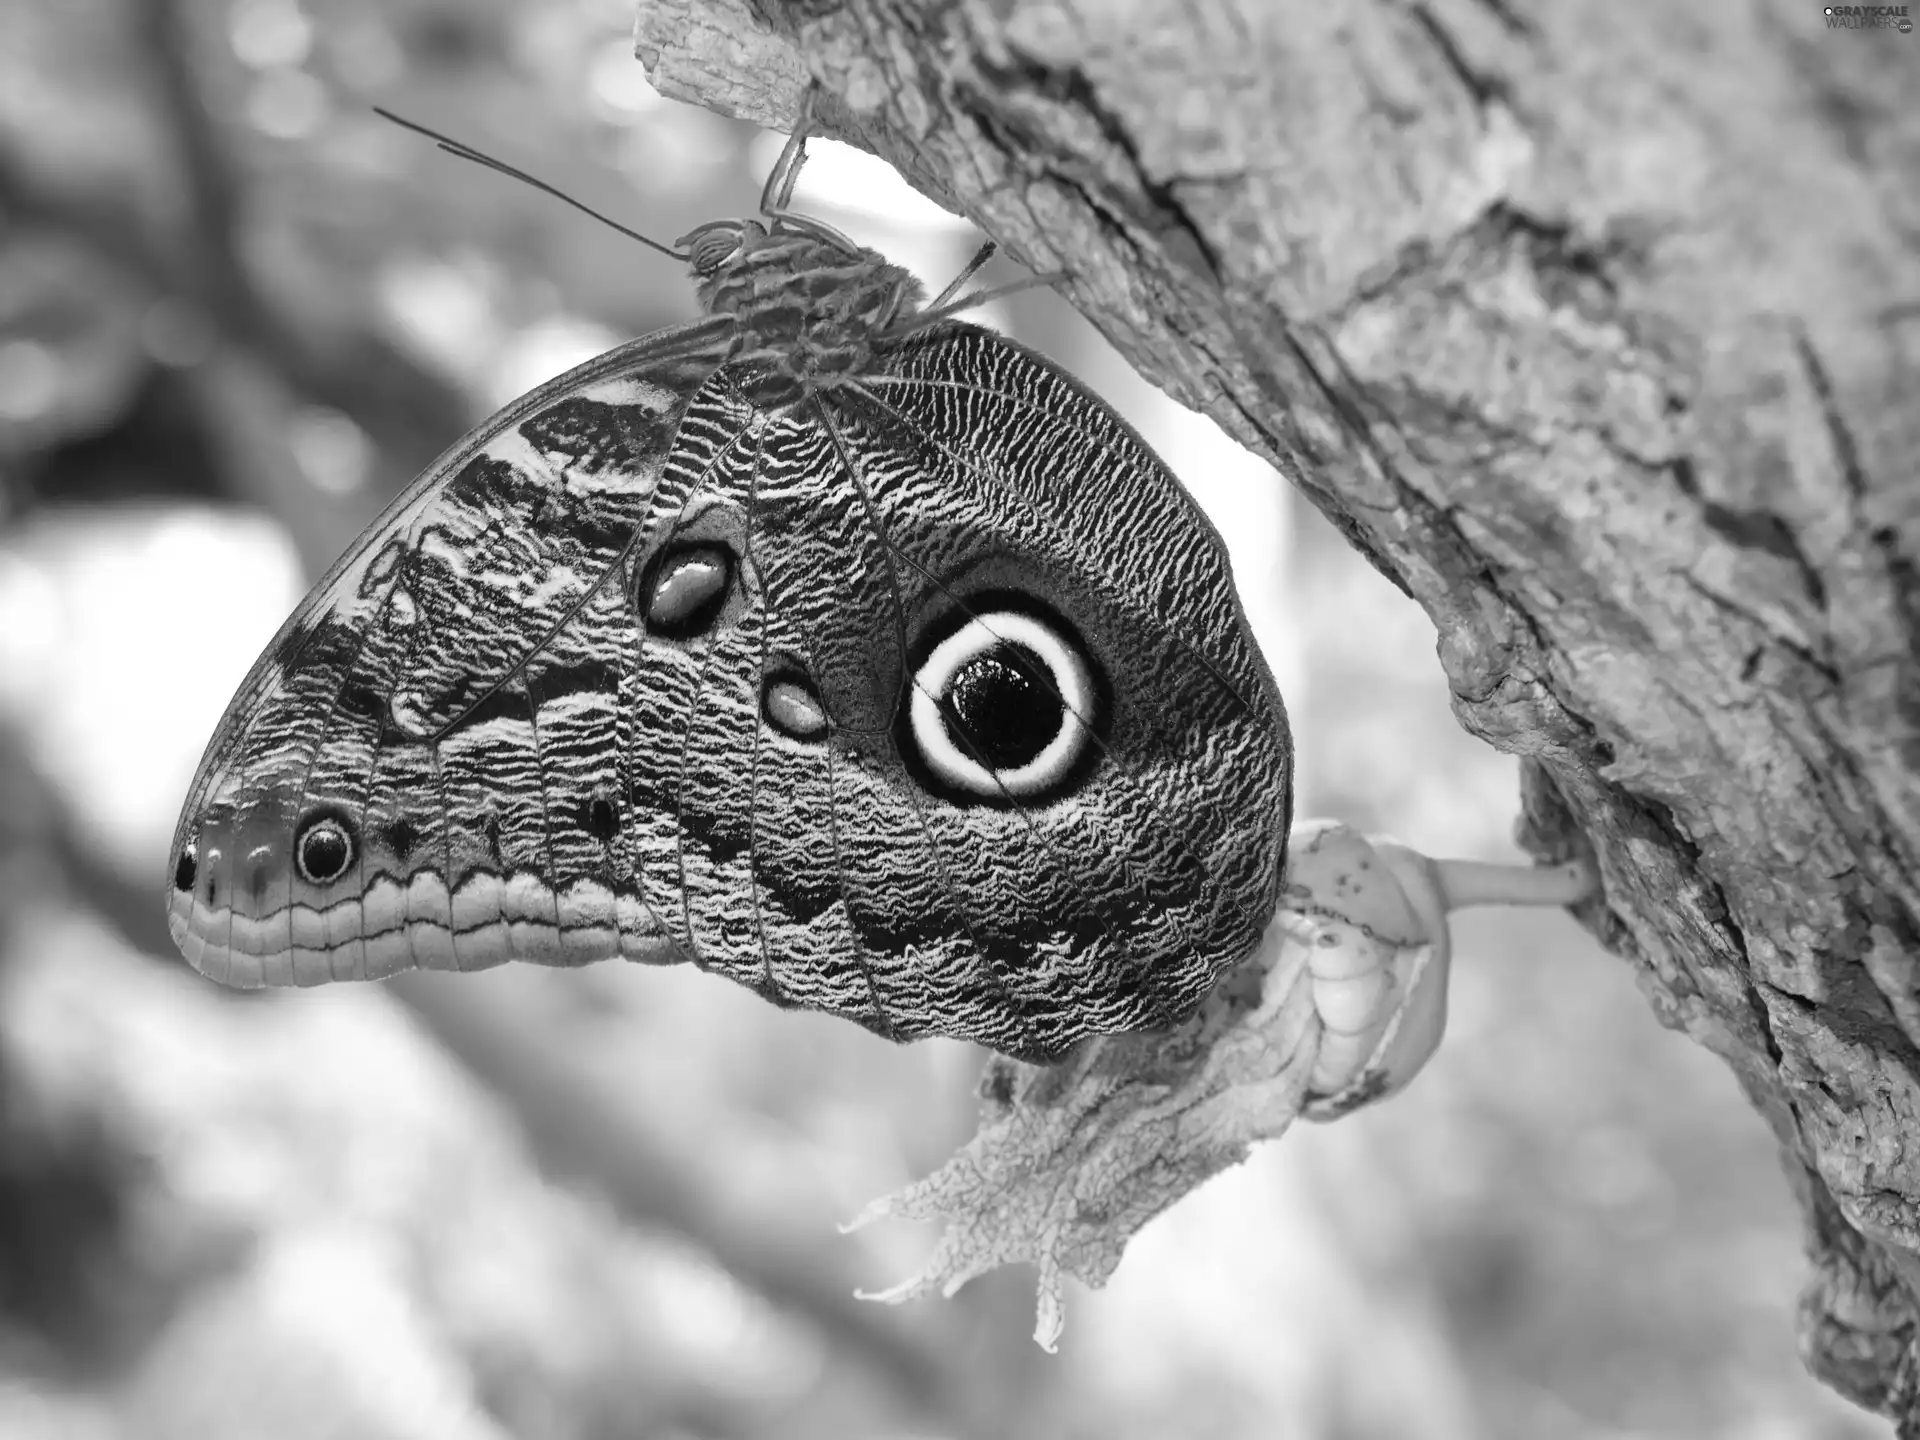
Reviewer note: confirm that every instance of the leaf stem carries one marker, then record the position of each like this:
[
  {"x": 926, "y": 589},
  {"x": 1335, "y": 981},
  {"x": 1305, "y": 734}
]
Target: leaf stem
[{"x": 1475, "y": 882}]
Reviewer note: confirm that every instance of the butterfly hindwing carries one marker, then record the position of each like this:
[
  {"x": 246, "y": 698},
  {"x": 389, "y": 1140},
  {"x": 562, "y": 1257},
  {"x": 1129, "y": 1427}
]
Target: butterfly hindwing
[{"x": 997, "y": 476}]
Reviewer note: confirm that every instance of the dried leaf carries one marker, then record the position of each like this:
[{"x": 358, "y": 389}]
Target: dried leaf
[{"x": 1340, "y": 1005}]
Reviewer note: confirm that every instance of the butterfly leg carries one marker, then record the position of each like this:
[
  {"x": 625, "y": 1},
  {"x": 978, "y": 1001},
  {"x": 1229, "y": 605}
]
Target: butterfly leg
[{"x": 777, "y": 197}]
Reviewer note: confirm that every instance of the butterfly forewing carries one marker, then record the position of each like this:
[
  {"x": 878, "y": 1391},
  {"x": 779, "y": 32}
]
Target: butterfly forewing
[{"x": 446, "y": 681}]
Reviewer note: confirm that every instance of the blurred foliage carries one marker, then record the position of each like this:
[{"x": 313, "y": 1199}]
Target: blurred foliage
[{"x": 602, "y": 1204}]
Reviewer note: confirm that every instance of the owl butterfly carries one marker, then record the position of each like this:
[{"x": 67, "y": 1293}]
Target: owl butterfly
[{"x": 847, "y": 650}]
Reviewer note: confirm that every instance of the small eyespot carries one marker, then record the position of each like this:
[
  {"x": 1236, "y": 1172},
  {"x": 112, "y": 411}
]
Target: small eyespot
[
  {"x": 603, "y": 820},
  {"x": 684, "y": 590},
  {"x": 323, "y": 850},
  {"x": 401, "y": 836},
  {"x": 1002, "y": 709},
  {"x": 792, "y": 706},
  {"x": 185, "y": 868}
]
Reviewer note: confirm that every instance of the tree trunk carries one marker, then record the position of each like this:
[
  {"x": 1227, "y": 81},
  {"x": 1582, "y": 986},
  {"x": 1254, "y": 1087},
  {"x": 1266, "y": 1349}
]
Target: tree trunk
[{"x": 1598, "y": 331}]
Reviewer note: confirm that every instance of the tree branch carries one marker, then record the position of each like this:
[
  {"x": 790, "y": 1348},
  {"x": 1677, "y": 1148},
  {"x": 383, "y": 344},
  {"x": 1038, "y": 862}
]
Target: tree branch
[
  {"x": 1595, "y": 336},
  {"x": 406, "y": 411},
  {"x": 214, "y": 253}
]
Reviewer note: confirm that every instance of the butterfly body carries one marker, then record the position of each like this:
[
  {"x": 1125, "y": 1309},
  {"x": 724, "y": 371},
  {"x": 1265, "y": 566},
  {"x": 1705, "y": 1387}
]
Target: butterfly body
[
  {"x": 810, "y": 306},
  {"x": 873, "y": 664}
]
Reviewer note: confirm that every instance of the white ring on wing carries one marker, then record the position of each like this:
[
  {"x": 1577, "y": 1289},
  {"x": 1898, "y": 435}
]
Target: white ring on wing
[{"x": 1068, "y": 674}]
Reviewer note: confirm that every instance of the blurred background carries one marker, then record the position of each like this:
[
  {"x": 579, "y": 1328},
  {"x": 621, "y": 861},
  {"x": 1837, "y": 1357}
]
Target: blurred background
[{"x": 237, "y": 311}]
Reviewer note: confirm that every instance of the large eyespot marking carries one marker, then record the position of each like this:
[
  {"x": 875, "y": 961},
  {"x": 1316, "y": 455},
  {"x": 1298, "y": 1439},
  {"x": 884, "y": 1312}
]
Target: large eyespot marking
[
  {"x": 323, "y": 849},
  {"x": 1002, "y": 709},
  {"x": 684, "y": 589},
  {"x": 186, "y": 867},
  {"x": 792, "y": 706}
]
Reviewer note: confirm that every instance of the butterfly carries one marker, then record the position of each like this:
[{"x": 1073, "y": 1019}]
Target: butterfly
[{"x": 829, "y": 643}]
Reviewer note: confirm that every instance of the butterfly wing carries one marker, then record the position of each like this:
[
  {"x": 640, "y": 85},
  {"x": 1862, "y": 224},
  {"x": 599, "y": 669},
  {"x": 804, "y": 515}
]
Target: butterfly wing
[
  {"x": 384, "y": 790},
  {"x": 969, "y": 499},
  {"x": 925, "y": 701}
]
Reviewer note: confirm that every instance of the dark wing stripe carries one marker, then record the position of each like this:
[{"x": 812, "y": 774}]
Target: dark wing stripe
[{"x": 496, "y": 701}]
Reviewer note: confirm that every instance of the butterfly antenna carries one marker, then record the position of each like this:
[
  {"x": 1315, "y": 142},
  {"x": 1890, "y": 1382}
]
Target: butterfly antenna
[
  {"x": 479, "y": 157},
  {"x": 972, "y": 268},
  {"x": 777, "y": 196}
]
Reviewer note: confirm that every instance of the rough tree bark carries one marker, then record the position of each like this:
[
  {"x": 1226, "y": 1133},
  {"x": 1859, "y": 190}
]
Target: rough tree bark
[{"x": 1598, "y": 330}]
